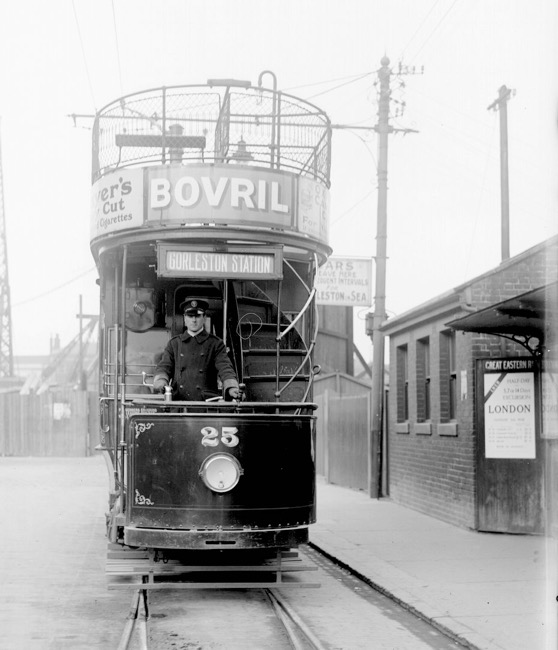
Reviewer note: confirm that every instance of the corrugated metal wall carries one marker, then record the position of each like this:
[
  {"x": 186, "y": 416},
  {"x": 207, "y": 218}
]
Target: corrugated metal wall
[
  {"x": 54, "y": 423},
  {"x": 342, "y": 439}
]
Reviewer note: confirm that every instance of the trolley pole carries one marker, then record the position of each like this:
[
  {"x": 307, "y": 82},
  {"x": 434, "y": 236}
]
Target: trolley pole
[
  {"x": 383, "y": 129},
  {"x": 501, "y": 104}
]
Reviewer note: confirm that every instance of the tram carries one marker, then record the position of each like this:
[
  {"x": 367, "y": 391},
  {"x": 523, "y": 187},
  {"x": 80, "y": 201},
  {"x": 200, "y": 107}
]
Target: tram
[{"x": 217, "y": 192}]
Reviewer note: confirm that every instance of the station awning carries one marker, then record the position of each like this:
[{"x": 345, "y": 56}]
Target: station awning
[{"x": 521, "y": 318}]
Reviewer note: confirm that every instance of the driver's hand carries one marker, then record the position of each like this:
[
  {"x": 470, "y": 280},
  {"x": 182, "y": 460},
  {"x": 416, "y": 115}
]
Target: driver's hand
[
  {"x": 231, "y": 394},
  {"x": 159, "y": 385}
]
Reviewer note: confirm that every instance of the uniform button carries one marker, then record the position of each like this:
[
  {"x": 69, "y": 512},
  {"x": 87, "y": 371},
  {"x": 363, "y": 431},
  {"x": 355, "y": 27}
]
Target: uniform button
[
  {"x": 200, "y": 370},
  {"x": 198, "y": 387},
  {"x": 181, "y": 354},
  {"x": 181, "y": 386}
]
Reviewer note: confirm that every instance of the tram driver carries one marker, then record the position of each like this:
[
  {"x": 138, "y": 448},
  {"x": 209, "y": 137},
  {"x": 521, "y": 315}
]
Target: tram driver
[{"x": 192, "y": 361}]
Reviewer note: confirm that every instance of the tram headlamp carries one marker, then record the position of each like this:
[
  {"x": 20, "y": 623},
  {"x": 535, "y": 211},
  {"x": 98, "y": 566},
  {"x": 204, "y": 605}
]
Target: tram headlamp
[
  {"x": 140, "y": 307},
  {"x": 221, "y": 472}
]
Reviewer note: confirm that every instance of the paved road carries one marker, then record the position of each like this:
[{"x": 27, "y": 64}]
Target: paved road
[{"x": 54, "y": 594}]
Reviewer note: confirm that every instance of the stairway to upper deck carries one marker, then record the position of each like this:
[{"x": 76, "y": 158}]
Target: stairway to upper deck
[{"x": 267, "y": 364}]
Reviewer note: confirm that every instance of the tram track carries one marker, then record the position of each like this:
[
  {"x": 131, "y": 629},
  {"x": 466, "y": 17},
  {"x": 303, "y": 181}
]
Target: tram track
[
  {"x": 294, "y": 626},
  {"x": 135, "y": 635},
  {"x": 346, "y": 612}
]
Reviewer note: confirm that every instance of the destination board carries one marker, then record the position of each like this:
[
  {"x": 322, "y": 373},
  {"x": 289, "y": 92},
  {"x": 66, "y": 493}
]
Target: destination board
[{"x": 176, "y": 260}]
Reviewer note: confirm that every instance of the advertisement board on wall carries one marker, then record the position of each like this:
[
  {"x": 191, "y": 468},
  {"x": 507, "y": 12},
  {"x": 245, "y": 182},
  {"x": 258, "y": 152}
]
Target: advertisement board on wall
[
  {"x": 171, "y": 195},
  {"x": 509, "y": 408},
  {"x": 345, "y": 281}
]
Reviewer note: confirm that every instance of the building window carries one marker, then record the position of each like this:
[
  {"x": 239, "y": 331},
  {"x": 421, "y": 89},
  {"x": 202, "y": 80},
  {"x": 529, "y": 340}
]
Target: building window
[
  {"x": 448, "y": 377},
  {"x": 423, "y": 379},
  {"x": 402, "y": 384}
]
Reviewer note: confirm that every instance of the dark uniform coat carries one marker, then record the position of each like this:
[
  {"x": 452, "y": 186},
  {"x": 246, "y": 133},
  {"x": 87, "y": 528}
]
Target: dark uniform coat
[{"x": 193, "y": 364}]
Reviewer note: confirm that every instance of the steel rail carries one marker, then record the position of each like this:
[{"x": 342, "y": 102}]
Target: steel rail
[
  {"x": 136, "y": 623},
  {"x": 293, "y": 624}
]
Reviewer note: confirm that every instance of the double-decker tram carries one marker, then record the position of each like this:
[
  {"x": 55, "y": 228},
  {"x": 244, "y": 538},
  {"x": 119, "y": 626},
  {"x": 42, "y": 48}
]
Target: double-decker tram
[{"x": 216, "y": 195}]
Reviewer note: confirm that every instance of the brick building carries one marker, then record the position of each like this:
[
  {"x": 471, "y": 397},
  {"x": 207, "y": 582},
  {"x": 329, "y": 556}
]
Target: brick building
[{"x": 433, "y": 425}]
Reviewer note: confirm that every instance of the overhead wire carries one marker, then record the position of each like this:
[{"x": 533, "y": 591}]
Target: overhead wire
[
  {"x": 84, "y": 57},
  {"x": 61, "y": 286},
  {"x": 339, "y": 217},
  {"x": 354, "y": 77},
  {"x": 475, "y": 139},
  {"x": 436, "y": 27},
  {"x": 117, "y": 49},
  {"x": 346, "y": 83},
  {"x": 365, "y": 143},
  {"x": 436, "y": 3}
]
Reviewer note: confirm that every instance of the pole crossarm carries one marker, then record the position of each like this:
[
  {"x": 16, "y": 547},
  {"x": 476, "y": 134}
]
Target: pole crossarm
[
  {"x": 390, "y": 129},
  {"x": 504, "y": 95}
]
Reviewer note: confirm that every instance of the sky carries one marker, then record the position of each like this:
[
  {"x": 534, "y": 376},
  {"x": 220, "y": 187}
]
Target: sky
[{"x": 66, "y": 57}]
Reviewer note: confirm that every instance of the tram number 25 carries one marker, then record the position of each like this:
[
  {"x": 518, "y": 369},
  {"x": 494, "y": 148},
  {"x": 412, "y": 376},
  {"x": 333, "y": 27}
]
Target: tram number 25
[{"x": 210, "y": 436}]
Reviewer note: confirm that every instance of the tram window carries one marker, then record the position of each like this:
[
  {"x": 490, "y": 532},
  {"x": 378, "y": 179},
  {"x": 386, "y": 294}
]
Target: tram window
[{"x": 143, "y": 352}]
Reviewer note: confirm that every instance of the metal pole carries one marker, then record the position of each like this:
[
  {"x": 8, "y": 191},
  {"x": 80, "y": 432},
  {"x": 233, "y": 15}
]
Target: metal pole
[
  {"x": 274, "y": 114},
  {"x": 81, "y": 378},
  {"x": 501, "y": 104},
  {"x": 379, "y": 316},
  {"x": 504, "y": 177}
]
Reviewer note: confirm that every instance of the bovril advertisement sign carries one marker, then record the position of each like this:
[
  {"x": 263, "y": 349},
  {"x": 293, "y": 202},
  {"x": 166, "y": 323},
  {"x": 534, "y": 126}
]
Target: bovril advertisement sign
[{"x": 217, "y": 194}]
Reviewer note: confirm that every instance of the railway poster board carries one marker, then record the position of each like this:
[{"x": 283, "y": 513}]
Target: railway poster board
[
  {"x": 345, "y": 281},
  {"x": 509, "y": 408},
  {"x": 510, "y": 456}
]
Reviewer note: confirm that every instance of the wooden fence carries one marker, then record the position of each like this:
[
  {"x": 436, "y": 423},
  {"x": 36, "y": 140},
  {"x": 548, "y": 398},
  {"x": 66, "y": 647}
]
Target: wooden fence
[
  {"x": 55, "y": 423},
  {"x": 342, "y": 439},
  {"x": 65, "y": 423}
]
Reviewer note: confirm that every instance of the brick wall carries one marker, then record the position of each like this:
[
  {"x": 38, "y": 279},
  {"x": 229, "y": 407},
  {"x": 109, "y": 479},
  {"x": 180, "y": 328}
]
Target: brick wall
[
  {"x": 532, "y": 269},
  {"x": 432, "y": 464}
]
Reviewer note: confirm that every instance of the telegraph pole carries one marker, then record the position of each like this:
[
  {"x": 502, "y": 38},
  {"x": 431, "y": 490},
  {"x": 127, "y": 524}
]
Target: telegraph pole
[
  {"x": 383, "y": 128},
  {"x": 501, "y": 104}
]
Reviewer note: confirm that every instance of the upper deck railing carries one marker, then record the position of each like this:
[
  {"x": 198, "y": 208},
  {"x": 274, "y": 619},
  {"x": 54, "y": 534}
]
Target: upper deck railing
[{"x": 224, "y": 121}]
